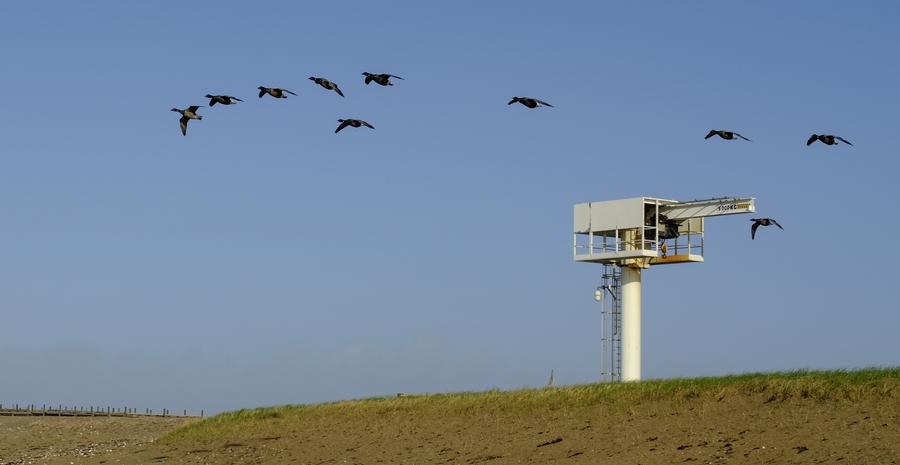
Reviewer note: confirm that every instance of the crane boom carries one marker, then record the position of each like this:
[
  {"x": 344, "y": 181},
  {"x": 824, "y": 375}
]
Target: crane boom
[{"x": 708, "y": 207}]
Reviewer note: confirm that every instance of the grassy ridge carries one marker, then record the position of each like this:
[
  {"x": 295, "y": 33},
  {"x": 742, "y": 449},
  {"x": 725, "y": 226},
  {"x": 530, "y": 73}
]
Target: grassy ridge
[{"x": 830, "y": 386}]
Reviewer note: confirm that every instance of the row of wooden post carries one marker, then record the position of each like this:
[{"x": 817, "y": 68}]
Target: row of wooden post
[{"x": 30, "y": 410}]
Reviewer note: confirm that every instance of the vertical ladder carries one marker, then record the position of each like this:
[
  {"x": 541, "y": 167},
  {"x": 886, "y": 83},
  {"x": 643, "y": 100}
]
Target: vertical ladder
[{"x": 611, "y": 324}]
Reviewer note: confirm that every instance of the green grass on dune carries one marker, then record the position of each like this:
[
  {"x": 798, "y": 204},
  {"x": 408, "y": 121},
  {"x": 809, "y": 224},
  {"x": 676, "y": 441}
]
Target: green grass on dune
[{"x": 828, "y": 385}]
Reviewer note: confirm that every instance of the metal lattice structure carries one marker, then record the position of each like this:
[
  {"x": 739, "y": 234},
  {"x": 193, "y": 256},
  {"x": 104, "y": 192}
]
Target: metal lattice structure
[{"x": 609, "y": 293}]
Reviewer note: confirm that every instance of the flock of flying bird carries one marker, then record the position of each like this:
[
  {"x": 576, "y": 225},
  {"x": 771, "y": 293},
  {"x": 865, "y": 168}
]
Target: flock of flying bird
[
  {"x": 190, "y": 112},
  {"x": 827, "y": 139},
  {"x": 385, "y": 80}
]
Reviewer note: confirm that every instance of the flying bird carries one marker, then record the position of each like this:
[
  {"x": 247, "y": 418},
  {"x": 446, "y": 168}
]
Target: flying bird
[
  {"x": 727, "y": 135},
  {"x": 828, "y": 139},
  {"x": 187, "y": 115},
  {"x": 383, "y": 79},
  {"x": 274, "y": 92},
  {"x": 352, "y": 122},
  {"x": 223, "y": 99},
  {"x": 529, "y": 102},
  {"x": 327, "y": 84},
  {"x": 757, "y": 222}
]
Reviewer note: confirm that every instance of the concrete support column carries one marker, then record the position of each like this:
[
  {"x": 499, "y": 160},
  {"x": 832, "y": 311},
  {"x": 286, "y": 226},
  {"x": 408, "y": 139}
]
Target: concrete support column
[{"x": 631, "y": 324}]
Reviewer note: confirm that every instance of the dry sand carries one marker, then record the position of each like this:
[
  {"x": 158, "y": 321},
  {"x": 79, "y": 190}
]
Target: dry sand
[{"x": 740, "y": 429}]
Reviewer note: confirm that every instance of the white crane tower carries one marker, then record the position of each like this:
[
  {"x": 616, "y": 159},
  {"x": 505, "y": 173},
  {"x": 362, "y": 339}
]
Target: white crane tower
[{"x": 630, "y": 235}]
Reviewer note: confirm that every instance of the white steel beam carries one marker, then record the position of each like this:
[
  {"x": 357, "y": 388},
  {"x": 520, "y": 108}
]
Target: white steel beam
[
  {"x": 631, "y": 323},
  {"x": 711, "y": 207}
]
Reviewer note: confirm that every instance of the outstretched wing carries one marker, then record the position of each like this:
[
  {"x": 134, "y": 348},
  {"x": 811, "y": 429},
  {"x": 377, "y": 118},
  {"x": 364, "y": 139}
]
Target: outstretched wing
[
  {"x": 514, "y": 100},
  {"x": 194, "y": 108},
  {"x": 367, "y": 124},
  {"x": 262, "y": 91},
  {"x": 842, "y": 140},
  {"x": 184, "y": 121},
  {"x": 543, "y": 103},
  {"x": 812, "y": 139},
  {"x": 398, "y": 77},
  {"x": 288, "y": 91},
  {"x": 711, "y": 133},
  {"x": 742, "y": 137},
  {"x": 338, "y": 90},
  {"x": 753, "y": 230},
  {"x": 776, "y": 224},
  {"x": 344, "y": 124}
]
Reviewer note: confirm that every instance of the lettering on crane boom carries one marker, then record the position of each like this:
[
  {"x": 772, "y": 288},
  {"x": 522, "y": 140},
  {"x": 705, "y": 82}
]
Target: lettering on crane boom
[{"x": 734, "y": 206}]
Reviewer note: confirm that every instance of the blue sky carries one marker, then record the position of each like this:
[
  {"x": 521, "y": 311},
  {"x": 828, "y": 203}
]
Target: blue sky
[{"x": 265, "y": 260}]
